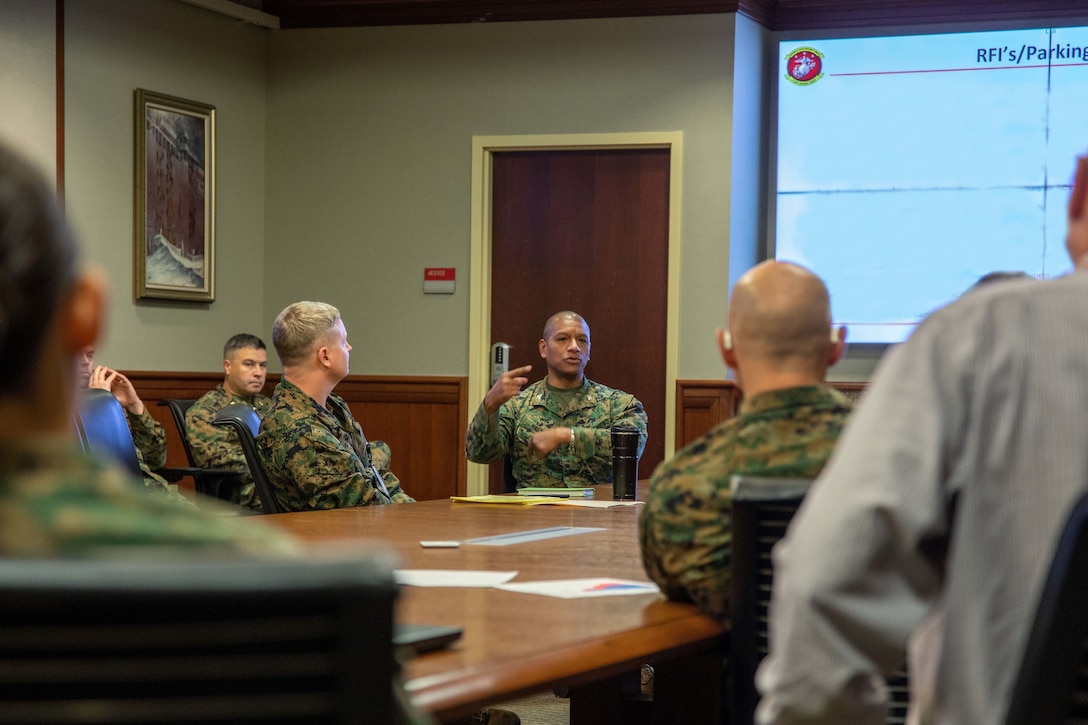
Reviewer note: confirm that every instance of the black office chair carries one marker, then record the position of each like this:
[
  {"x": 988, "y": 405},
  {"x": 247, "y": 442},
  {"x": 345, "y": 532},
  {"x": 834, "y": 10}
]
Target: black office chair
[
  {"x": 762, "y": 509},
  {"x": 178, "y": 409},
  {"x": 217, "y": 482},
  {"x": 1052, "y": 684},
  {"x": 898, "y": 696},
  {"x": 103, "y": 429},
  {"x": 193, "y": 641},
  {"x": 246, "y": 423}
]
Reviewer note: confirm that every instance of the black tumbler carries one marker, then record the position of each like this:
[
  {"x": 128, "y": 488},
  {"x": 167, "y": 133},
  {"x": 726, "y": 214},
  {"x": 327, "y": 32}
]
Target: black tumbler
[{"x": 624, "y": 463}]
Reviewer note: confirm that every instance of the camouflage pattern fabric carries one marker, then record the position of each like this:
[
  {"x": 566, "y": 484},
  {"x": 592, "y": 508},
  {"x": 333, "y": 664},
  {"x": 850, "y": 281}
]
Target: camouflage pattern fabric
[
  {"x": 685, "y": 528},
  {"x": 149, "y": 437},
  {"x": 318, "y": 458},
  {"x": 150, "y": 440},
  {"x": 590, "y": 413},
  {"x": 57, "y": 502},
  {"x": 380, "y": 455},
  {"x": 218, "y": 447}
]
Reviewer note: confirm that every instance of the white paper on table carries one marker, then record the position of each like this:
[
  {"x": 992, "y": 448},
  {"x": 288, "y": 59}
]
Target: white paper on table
[
  {"x": 579, "y": 588},
  {"x": 593, "y": 504},
  {"x": 451, "y": 577}
]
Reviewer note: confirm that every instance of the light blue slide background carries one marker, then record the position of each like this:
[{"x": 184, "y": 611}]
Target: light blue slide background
[{"x": 913, "y": 167}]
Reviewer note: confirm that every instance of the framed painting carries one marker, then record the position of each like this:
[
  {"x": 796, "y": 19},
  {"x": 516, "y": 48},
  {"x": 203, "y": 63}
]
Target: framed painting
[{"x": 174, "y": 198}]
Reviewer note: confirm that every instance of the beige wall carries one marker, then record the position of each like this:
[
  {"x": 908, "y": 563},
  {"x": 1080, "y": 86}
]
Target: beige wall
[
  {"x": 28, "y": 79},
  {"x": 363, "y": 176},
  {"x": 369, "y": 166},
  {"x": 113, "y": 47},
  {"x": 344, "y": 161}
]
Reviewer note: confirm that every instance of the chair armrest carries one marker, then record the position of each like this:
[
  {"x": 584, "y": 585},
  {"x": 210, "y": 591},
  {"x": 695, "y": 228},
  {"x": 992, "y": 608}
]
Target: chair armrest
[
  {"x": 214, "y": 482},
  {"x": 224, "y": 472},
  {"x": 176, "y": 473}
]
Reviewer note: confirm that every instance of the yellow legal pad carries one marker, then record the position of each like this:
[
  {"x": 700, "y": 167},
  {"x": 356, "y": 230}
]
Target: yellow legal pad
[{"x": 509, "y": 500}]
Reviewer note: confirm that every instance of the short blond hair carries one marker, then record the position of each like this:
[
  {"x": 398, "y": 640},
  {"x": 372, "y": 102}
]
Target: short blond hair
[{"x": 300, "y": 327}]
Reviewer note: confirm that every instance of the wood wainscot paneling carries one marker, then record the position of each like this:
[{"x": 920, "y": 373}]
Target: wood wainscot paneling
[
  {"x": 703, "y": 404},
  {"x": 421, "y": 418}
]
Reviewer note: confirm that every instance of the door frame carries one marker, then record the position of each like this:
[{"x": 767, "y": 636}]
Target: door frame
[{"x": 479, "y": 328}]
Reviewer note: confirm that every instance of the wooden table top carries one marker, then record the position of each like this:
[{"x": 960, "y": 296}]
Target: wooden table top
[{"x": 516, "y": 643}]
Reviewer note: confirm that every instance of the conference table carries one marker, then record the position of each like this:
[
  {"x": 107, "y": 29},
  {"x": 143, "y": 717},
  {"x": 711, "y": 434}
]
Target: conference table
[{"x": 517, "y": 643}]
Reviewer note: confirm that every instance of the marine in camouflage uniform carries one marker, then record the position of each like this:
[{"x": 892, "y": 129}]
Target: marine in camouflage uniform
[
  {"x": 218, "y": 447},
  {"x": 590, "y": 412},
  {"x": 685, "y": 530},
  {"x": 318, "y": 458},
  {"x": 779, "y": 344},
  {"x": 557, "y": 431}
]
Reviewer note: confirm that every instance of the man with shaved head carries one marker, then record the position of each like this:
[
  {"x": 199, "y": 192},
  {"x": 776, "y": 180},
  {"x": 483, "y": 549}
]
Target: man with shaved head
[
  {"x": 779, "y": 345},
  {"x": 557, "y": 431}
]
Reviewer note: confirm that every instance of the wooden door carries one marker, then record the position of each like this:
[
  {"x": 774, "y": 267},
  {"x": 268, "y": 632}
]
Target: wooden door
[{"x": 586, "y": 230}]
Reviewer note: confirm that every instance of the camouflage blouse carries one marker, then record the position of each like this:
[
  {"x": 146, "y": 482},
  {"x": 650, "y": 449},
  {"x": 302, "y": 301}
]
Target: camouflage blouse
[
  {"x": 685, "y": 530},
  {"x": 590, "y": 413},
  {"x": 318, "y": 458}
]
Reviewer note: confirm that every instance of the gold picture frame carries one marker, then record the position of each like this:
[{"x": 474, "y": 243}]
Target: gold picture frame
[{"x": 174, "y": 233}]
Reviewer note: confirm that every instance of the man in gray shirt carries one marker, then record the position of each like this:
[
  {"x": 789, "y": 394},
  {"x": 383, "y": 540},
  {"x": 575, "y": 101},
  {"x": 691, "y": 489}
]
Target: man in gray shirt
[{"x": 936, "y": 519}]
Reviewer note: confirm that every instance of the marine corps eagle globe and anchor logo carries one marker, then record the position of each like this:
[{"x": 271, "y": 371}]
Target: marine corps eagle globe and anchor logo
[{"x": 804, "y": 66}]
